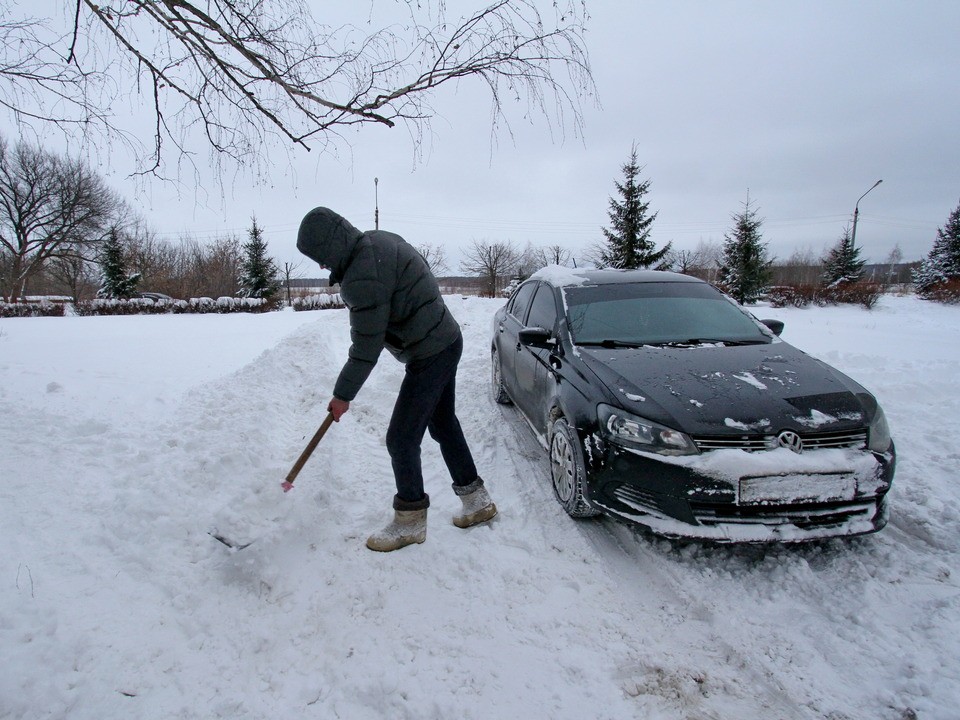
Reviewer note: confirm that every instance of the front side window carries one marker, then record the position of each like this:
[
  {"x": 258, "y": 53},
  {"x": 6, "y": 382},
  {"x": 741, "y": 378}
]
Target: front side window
[
  {"x": 521, "y": 301},
  {"x": 543, "y": 311}
]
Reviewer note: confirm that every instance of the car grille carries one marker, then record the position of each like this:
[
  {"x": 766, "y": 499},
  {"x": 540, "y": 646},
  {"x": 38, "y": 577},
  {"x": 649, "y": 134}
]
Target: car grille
[
  {"x": 803, "y": 516},
  {"x": 811, "y": 441}
]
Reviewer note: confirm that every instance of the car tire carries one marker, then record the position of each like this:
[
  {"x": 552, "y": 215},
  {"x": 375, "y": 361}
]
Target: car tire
[
  {"x": 496, "y": 379},
  {"x": 568, "y": 471}
]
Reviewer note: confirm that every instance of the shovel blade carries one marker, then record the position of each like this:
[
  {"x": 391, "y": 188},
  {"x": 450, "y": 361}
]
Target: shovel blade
[{"x": 229, "y": 542}]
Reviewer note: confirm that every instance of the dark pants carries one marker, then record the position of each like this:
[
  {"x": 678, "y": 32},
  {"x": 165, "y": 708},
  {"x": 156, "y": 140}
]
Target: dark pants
[{"x": 427, "y": 402}]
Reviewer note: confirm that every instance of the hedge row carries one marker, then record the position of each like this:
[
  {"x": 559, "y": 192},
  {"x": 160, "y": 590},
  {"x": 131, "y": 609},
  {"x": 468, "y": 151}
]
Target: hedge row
[
  {"x": 37, "y": 309},
  {"x": 318, "y": 302},
  {"x": 945, "y": 292},
  {"x": 861, "y": 293},
  {"x": 146, "y": 306}
]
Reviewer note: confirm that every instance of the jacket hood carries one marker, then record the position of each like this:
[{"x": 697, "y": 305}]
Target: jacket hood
[{"x": 328, "y": 239}]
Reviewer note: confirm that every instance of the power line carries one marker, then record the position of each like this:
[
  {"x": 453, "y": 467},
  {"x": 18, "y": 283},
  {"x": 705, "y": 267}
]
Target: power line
[{"x": 564, "y": 227}]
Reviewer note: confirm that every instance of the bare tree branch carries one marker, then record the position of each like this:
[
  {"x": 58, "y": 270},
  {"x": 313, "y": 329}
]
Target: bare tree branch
[{"x": 246, "y": 73}]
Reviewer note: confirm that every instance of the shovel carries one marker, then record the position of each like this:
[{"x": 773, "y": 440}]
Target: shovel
[{"x": 287, "y": 484}]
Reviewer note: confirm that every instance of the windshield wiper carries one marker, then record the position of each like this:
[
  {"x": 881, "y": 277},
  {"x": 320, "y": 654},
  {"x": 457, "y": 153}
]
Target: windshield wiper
[
  {"x": 707, "y": 341},
  {"x": 610, "y": 344}
]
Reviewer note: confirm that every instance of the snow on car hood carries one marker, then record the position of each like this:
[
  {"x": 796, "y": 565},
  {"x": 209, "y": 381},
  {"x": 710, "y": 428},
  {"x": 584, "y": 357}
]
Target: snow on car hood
[{"x": 717, "y": 390}]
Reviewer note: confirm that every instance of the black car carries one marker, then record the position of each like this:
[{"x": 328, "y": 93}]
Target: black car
[{"x": 664, "y": 402}]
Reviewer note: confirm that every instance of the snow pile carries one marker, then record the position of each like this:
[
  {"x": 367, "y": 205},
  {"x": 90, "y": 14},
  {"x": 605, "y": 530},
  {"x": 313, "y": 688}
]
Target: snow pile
[{"x": 124, "y": 440}]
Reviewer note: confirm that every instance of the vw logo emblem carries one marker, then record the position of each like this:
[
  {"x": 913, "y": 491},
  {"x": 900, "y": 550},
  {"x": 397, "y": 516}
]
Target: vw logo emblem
[{"x": 791, "y": 440}]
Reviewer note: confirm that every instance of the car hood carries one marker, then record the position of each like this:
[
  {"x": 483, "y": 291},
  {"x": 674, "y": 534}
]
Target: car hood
[{"x": 735, "y": 390}]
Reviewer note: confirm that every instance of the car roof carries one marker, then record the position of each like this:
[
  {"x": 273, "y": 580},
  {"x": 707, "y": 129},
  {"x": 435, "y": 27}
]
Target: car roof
[{"x": 579, "y": 277}]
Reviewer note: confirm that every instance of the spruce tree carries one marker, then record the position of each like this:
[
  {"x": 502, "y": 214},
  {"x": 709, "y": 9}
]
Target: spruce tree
[
  {"x": 259, "y": 275},
  {"x": 745, "y": 270},
  {"x": 942, "y": 265},
  {"x": 115, "y": 283},
  {"x": 628, "y": 244},
  {"x": 843, "y": 264}
]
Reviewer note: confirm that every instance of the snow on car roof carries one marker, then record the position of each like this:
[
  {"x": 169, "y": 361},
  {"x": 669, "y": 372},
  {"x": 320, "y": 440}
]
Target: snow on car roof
[{"x": 560, "y": 276}]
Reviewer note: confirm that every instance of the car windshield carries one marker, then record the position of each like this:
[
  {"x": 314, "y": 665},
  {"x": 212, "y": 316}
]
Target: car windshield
[{"x": 657, "y": 313}]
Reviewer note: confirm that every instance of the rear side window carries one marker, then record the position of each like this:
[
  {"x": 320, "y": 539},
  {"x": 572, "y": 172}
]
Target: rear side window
[
  {"x": 521, "y": 301},
  {"x": 543, "y": 311}
]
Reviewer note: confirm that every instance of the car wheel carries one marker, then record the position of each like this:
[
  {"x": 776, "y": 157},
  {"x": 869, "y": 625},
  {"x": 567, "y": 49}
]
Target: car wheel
[
  {"x": 499, "y": 392},
  {"x": 567, "y": 470}
]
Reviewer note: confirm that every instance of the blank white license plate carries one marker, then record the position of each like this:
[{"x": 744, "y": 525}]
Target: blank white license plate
[{"x": 792, "y": 489}]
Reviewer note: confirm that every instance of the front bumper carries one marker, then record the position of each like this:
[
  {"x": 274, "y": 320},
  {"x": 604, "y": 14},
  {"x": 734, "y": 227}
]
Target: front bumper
[{"x": 768, "y": 498}]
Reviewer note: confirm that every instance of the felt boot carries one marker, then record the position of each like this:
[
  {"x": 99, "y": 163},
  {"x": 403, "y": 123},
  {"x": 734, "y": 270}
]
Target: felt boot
[
  {"x": 477, "y": 505},
  {"x": 406, "y": 528}
]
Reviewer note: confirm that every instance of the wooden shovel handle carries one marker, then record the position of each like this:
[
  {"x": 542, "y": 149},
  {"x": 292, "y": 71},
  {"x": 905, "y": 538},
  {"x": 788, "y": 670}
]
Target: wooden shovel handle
[{"x": 307, "y": 451}]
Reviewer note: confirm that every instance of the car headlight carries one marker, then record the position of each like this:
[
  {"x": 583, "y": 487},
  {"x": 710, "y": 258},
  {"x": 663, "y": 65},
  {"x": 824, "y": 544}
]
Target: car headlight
[
  {"x": 633, "y": 431},
  {"x": 879, "y": 432}
]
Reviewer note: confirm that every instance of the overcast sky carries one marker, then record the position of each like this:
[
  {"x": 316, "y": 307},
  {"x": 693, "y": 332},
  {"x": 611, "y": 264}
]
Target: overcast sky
[{"x": 805, "y": 105}]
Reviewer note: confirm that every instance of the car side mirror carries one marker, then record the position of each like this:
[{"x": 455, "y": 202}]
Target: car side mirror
[
  {"x": 536, "y": 337},
  {"x": 776, "y": 326}
]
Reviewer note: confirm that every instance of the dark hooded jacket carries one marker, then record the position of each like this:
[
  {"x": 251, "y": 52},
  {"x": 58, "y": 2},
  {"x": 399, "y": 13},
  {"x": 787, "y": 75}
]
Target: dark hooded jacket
[{"x": 394, "y": 299}]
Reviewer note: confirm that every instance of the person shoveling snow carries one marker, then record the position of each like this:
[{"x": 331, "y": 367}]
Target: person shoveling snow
[{"x": 395, "y": 302}]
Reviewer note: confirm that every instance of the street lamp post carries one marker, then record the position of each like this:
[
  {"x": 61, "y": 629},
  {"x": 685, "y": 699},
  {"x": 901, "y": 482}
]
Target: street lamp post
[
  {"x": 376, "y": 206},
  {"x": 856, "y": 213}
]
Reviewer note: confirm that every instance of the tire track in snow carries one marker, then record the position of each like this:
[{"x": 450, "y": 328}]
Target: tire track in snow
[{"x": 663, "y": 606}]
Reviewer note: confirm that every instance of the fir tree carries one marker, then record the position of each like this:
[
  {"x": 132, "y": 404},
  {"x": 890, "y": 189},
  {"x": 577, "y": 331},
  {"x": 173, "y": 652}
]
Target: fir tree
[
  {"x": 628, "y": 244},
  {"x": 942, "y": 265},
  {"x": 259, "y": 276},
  {"x": 843, "y": 264},
  {"x": 115, "y": 283},
  {"x": 745, "y": 269}
]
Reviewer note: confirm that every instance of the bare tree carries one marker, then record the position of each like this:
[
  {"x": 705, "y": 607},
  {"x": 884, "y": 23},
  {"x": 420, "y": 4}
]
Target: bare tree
[
  {"x": 435, "y": 257},
  {"x": 803, "y": 267},
  {"x": 680, "y": 261},
  {"x": 705, "y": 261},
  {"x": 188, "y": 269},
  {"x": 287, "y": 274},
  {"x": 245, "y": 72},
  {"x": 595, "y": 254},
  {"x": 553, "y": 255},
  {"x": 493, "y": 262},
  {"x": 528, "y": 262},
  {"x": 50, "y": 207},
  {"x": 159, "y": 262},
  {"x": 893, "y": 260},
  {"x": 76, "y": 274}
]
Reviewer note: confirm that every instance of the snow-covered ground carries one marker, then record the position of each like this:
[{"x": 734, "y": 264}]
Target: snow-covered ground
[{"x": 124, "y": 440}]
